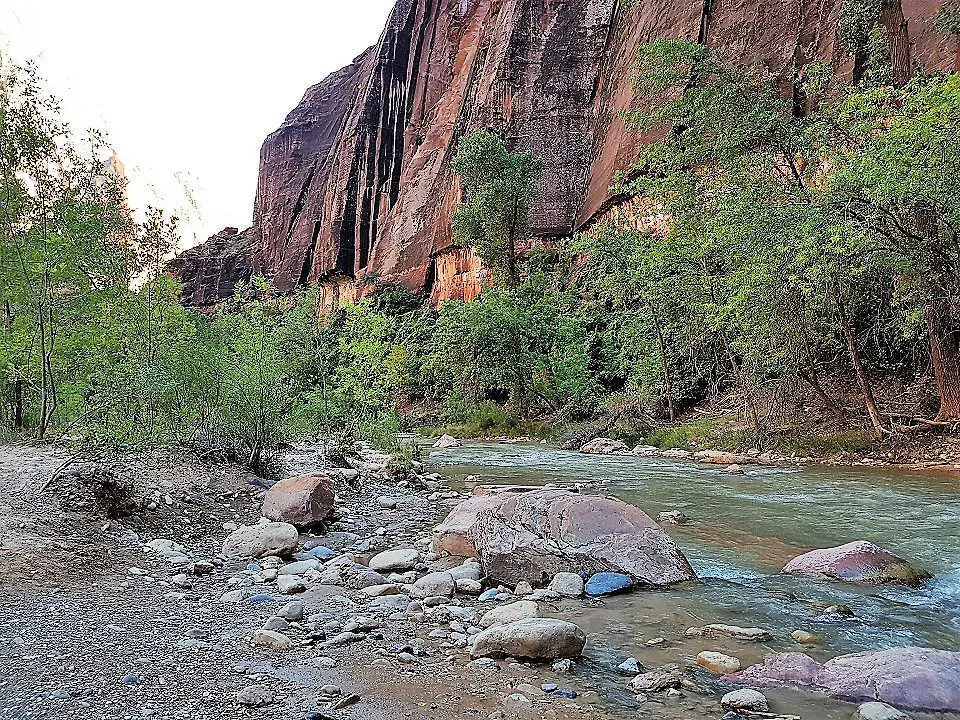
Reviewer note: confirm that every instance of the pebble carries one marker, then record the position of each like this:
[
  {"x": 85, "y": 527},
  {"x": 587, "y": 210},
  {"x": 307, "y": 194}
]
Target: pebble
[
  {"x": 292, "y": 611},
  {"x": 272, "y": 639},
  {"x": 718, "y": 663},
  {"x": 630, "y": 667}
]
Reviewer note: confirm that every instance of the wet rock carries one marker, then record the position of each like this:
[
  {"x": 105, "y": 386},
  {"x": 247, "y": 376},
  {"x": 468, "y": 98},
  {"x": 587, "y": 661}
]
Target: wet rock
[
  {"x": 732, "y": 631},
  {"x": 301, "y": 501},
  {"x": 399, "y": 559},
  {"x": 446, "y": 441},
  {"x": 858, "y": 561},
  {"x": 802, "y": 637},
  {"x": 879, "y": 711},
  {"x": 910, "y": 678},
  {"x": 672, "y": 517},
  {"x": 605, "y": 446},
  {"x": 658, "y": 680},
  {"x": 734, "y": 469},
  {"x": 520, "y": 610},
  {"x": 745, "y": 699},
  {"x": 607, "y": 583},
  {"x": 263, "y": 539},
  {"x": 534, "y": 639},
  {"x": 714, "y": 457},
  {"x": 718, "y": 663},
  {"x": 255, "y": 696},
  {"x": 523, "y": 535},
  {"x": 566, "y": 584},
  {"x": 630, "y": 667}
]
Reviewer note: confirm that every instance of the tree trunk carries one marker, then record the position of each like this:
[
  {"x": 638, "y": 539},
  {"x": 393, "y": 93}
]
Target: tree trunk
[
  {"x": 865, "y": 387},
  {"x": 813, "y": 381},
  {"x": 945, "y": 356},
  {"x": 742, "y": 381},
  {"x": 667, "y": 385},
  {"x": 891, "y": 15},
  {"x": 18, "y": 404}
]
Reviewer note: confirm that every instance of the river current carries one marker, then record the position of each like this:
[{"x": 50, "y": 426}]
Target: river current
[{"x": 743, "y": 529}]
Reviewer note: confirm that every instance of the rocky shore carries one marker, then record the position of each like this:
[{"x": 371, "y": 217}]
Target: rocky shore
[{"x": 365, "y": 593}]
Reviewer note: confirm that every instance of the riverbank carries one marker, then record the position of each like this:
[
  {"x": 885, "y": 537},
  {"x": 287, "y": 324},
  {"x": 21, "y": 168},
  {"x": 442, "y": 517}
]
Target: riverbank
[
  {"x": 924, "y": 447},
  {"x": 96, "y": 626}
]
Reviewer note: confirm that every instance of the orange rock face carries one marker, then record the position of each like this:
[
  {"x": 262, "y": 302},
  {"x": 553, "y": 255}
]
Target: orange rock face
[{"x": 357, "y": 183}]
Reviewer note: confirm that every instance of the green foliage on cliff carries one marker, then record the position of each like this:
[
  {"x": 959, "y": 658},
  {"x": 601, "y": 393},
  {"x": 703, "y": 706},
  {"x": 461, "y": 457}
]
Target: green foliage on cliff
[{"x": 498, "y": 189}]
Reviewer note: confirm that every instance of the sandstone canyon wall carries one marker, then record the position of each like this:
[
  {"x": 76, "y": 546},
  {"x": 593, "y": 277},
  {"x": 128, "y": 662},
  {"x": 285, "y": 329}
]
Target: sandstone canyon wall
[{"x": 356, "y": 186}]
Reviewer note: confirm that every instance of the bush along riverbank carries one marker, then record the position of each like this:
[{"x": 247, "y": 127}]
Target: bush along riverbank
[{"x": 365, "y": 586}]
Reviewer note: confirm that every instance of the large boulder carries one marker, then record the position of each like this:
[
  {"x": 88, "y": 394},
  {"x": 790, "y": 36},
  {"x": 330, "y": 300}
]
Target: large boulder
[
  {"x": 302, "y": 501},
  {"x": 511, "y": 612},
  {"x": 859, "y": 561},
  {"x": 446, "y": 441},
  {"x": 910, "y": 678},
  {"x": 523, "y": 534},
  {"x": 534, "y": 639},
  {"x": 253, "y": 541},
  {"x": 605, "y": 446}
]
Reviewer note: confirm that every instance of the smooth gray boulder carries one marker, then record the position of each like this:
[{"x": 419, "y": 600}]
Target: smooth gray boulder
[
  {"x": 533, "y": 639},
  {"x": 254, "y": 541}
]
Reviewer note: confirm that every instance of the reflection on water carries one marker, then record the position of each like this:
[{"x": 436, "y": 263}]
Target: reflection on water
[{"x": 745, "y": 527}]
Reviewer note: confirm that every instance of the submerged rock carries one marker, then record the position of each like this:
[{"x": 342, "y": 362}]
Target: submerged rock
[
  {"x": 858, "y": 561},
  {"x": 753, "y": 634},
  {"x": 531, "y": 535},
  {"x": 605, "y": 446},
  {"x": 302, "y": 501},
  {"x": 533, "y": 639},
  {"x": 911, "y": 678}
]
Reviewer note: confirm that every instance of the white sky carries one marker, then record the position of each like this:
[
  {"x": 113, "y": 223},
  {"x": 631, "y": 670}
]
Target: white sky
[{"x": 187, "y": 90}]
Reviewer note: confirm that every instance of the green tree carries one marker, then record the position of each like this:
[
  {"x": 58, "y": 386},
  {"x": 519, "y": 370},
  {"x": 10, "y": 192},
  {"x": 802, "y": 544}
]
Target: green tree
[{"x": 498, "y": 188}]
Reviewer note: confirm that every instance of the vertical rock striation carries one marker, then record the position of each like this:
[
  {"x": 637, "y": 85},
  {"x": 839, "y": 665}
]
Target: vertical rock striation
[{"x": 356, "y": 186}]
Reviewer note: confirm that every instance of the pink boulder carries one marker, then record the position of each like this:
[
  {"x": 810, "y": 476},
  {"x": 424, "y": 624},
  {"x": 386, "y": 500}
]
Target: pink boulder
[
  {"x": 909, "y": 678},
  {"x": 524, "y": 534},
  {"x": 302, "y": 501},
  {"x": 858, "y": 561}
]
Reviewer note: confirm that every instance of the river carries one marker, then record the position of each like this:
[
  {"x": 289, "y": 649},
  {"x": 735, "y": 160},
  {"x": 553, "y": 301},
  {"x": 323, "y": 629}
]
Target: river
[{"x": 744, "y": 529}]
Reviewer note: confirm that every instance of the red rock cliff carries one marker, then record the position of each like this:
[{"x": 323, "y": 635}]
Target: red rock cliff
[{"x": 356, "y": 185}]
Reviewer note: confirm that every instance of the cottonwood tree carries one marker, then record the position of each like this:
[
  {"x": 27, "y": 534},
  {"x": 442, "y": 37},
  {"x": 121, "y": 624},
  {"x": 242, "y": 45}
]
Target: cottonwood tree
[
  {"x": 61, "y": 220},
  {"x": 498, "y": 188}
]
